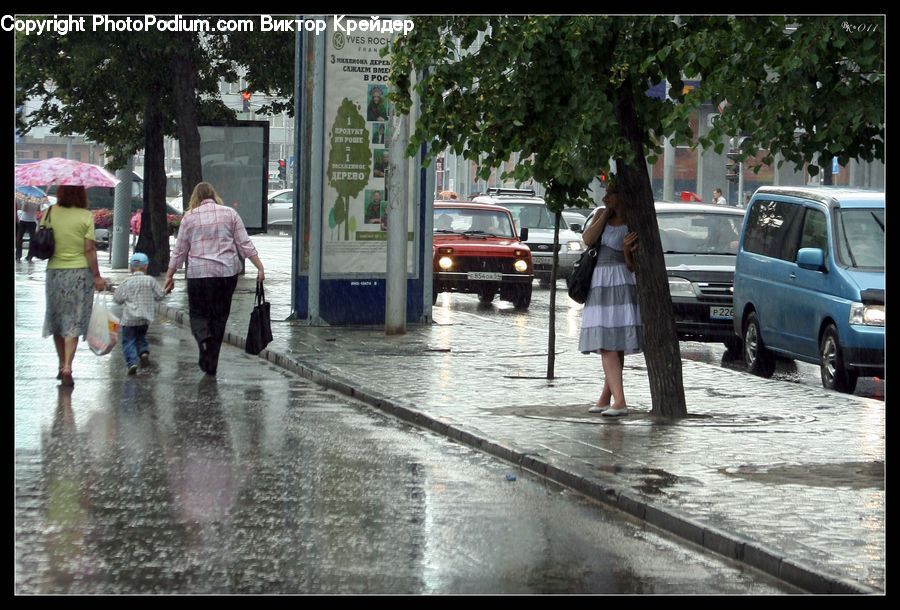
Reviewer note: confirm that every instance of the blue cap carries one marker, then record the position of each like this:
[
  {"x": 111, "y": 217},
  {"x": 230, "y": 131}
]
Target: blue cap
[{"x": 139, "y": 259}]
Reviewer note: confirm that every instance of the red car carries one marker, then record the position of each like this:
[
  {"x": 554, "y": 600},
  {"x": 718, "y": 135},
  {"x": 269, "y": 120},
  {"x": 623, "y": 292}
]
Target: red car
[{"x": 477, "y": 251}]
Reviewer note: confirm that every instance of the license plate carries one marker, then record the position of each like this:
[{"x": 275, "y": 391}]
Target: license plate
[
  {"x": 482, "y": 275},
  {"x": 721, "y": 313}
]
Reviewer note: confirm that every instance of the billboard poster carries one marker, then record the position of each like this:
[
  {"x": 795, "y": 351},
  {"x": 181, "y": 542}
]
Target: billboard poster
[
  {"x": 234, "y": 158},
  {"x": 357, "y": 138}
]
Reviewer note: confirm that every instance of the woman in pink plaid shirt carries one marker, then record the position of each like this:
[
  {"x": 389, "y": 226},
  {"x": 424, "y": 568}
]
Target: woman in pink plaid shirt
[{"x": 210, "y": 238}]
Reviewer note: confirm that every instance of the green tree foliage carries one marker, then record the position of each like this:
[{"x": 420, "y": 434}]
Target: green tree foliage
[
  {"x": 798, "y": 86},
  {"x": 570, "y": 93}
]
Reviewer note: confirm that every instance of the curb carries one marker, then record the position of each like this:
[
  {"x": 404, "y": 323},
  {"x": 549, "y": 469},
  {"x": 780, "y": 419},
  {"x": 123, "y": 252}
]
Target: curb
[{"x": 723, "y": 543}]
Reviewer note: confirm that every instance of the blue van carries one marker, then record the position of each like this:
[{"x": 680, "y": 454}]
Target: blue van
[{"x": 809, "y": 282}]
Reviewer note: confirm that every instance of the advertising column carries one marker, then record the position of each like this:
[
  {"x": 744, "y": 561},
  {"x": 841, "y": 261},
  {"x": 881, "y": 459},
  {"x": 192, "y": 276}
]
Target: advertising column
[{"x": 355, "y": 187}]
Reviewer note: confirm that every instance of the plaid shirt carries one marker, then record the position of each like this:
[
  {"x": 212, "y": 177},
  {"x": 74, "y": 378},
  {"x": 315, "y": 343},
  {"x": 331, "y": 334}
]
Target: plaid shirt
[
  {"x": 139, "y": 294},
  {"x": 210, "y": 238}
]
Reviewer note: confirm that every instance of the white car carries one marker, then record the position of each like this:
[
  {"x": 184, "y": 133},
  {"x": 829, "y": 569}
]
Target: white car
[
  {"x": 530, "y": 212},
  {"x": 575, "y": 220},
  {"x": 281, "y": 208}
]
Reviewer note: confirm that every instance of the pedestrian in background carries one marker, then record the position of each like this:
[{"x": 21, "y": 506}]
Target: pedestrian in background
[
  {"x": 212, "y": 238},
  {"x": 139, "y": 294},
  {"x": 611, "y": 319},
  {"x": 26, "y": 223},
  {"x": 72, "y": 275},
  {"x": 718, "y": 198}
]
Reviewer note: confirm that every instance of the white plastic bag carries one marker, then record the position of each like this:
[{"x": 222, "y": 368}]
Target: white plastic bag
[{"x": 103, "y": 330}]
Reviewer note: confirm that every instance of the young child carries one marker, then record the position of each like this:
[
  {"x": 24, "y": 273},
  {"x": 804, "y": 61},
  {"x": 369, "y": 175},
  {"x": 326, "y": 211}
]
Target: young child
[{"x": 138, "y": 293}]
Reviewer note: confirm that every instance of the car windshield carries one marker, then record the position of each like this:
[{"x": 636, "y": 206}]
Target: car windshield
[
  {"x": 699, "y": 233},
  {"x": 861, "y": 238},
  {"x": 533, "y": 215},
  {"x": 472, "y": 222}
]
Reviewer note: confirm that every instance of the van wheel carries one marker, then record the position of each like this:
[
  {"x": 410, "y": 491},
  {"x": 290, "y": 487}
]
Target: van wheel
[
  {"x": 835, "y": 376},
  {"x": 758, "y": 359}
]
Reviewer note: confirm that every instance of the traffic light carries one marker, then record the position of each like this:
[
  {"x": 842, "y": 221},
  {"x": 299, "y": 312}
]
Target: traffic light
[
  {"x": 733, "y": 167},
  {"x": 245, "y": 95},
  {"x": 282, "y": 170}
]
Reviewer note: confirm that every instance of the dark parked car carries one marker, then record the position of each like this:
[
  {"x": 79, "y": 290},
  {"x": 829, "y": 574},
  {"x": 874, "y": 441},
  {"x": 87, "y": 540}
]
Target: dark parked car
[
  {"x": 102, "y": 197},
  {"x": 700, "y": 244}
]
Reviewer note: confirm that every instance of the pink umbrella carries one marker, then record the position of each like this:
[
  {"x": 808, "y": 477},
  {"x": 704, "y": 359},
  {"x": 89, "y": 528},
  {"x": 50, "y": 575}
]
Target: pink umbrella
[{"x": 63, "y": 171}]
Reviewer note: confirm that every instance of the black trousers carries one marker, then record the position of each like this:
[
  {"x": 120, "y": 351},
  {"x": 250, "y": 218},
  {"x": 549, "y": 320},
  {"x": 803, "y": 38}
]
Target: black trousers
[
  {"x": 209, "y": 304},
  {"x": 23, "y": 227}
]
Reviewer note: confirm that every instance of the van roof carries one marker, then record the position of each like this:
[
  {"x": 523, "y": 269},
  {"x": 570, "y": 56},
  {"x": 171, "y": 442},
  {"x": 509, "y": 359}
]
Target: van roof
[{"x": 829, "y": 195}]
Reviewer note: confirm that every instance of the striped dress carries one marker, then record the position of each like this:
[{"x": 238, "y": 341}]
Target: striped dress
[{"x": 611, "y": 319}]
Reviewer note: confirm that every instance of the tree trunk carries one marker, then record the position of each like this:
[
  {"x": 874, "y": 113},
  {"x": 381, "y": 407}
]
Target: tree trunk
[
  {"x": 154, "y": 236},
  {"x": 661, "y": 350},
  {"x": 184, "y": 92}
]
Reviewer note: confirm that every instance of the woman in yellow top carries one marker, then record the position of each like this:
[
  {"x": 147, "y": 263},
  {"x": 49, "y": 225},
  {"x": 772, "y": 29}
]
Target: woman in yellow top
[{"x": 72, "y": 275}]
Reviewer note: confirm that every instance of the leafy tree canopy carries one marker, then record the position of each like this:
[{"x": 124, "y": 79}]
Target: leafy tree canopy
[
  {"x": 97, "y": 84},
  {"x": 546, "y": 86}
]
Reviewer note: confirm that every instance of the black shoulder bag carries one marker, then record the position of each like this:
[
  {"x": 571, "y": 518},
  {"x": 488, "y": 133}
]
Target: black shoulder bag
[
  {"x": 43, "y": 243},
  {"x": 580, "y": 284},
  {"x": 259, "y": 333}
]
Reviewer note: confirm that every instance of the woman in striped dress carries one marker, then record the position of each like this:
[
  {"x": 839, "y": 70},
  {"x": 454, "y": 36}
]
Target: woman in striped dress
[{"x": 611, "y": 320}]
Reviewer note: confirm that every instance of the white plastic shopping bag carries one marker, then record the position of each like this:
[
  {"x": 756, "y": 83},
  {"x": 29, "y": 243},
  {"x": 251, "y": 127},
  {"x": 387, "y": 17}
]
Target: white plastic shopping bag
[{"x": 103, "y": 330}]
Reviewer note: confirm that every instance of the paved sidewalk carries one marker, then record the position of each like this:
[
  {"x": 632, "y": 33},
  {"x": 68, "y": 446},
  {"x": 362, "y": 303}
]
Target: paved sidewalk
[{"x": 784, "y": 477}]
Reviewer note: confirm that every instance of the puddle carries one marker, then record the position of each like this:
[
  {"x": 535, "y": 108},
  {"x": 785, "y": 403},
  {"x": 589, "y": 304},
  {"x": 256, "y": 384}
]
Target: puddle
[{"x": 856, "y": 475}]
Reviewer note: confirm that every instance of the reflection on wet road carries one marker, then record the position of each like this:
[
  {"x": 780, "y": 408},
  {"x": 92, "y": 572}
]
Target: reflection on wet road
[{"x": 260, "y": 482}]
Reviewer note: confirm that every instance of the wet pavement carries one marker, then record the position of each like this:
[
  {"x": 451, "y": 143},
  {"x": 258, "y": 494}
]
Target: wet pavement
[
  {"x": 259, "y": 481},
  {"x": 785, "y": 477}
]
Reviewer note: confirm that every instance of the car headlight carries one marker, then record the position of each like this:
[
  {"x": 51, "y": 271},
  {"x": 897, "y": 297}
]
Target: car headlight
[
  {"x": 520, "y": 266},
  {"x": 574, "y": 246},
  {"x": 445, "y": 263},
  {"x": 680, "y": 287},
  {"x": 869, "y": 315}
]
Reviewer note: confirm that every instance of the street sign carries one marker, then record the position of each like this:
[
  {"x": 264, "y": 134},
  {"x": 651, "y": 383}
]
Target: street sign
[{"x": 835, "y": 168}]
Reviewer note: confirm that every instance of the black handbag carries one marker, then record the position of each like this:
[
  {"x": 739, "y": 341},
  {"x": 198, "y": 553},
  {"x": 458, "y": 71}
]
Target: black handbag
[
  {"x": 580, "y": 283},
  {"x": 42, "y": 242},
  {"x": 259, "y": 333}
]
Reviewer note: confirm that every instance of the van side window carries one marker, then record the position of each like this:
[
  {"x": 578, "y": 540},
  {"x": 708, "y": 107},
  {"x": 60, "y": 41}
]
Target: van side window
[
  {"x": 815, "y": 231},
  {"x": 773, "y": 229}
]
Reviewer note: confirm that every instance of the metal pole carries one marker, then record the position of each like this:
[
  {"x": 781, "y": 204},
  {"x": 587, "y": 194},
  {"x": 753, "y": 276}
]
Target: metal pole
[
  {"x": 669, "y": 171},
  {"x": 118, "y": 243},
  {"x": 298, "y": 172},
  {"x": 316, "y": 150},
  {"x": 668, "y": 162},
  {"x": 397, "y": 221},
  {"x": 740, "y": 200},
  {"x": 427, "y": 270}
]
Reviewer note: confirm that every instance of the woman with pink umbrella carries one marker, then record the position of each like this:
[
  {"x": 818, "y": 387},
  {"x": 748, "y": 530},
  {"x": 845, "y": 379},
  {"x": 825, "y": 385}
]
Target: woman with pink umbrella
[{"x": 72, "y": 272}]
